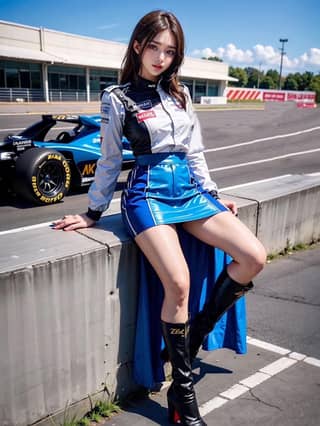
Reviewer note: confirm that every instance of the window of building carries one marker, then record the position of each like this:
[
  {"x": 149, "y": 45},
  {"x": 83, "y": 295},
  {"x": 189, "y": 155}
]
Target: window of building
[
  {"x": 12, "y": 77},
  {"x": 213, "y": 89},
  {"x": 72, "y": 82},
  {"x": 36, "y": 80},
  {"x": 200, "y": 89},
  {"x": 2, "y": 81},
  {"x": 100, "y": 79},
  {"x": 82, "y": 82},
  {"x": 62, "y": 81},
  {"x": 21, "y": 75},
  {"x": 53, "y": 80},
  {"x": 24, "y": 76},
  {"x": 66, "y": 78}
]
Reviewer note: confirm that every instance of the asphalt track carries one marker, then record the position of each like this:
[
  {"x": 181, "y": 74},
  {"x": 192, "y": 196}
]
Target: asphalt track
[{"x": 241, "y": 146}]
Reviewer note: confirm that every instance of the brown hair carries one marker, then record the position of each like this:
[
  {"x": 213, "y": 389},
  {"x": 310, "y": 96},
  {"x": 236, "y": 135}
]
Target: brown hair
[{"x": 145, "y": 31}]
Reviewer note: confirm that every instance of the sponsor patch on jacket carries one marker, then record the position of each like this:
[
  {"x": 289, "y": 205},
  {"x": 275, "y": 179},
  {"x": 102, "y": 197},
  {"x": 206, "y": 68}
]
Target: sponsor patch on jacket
[
  {"x": 145, "y": 115},
  {"x": 105, "y": 108},
  {"x": 147, "y": 104}
]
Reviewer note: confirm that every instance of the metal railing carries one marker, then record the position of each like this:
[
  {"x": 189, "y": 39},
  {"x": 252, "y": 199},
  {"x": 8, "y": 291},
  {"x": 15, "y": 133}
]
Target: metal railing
[
  {"x": 95, "y": 95},
  {"x": 55, "y": 95},
  {"x": 21, "y": 95}
]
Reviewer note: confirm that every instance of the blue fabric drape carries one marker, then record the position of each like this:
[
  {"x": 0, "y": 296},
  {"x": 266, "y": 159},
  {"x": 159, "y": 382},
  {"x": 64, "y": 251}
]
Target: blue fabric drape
[{"x": 205, "y": 264}]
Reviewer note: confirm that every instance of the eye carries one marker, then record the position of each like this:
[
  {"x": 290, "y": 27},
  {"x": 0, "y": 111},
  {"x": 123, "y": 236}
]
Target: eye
[
  {"x": 171, "y": 52},
  {"x": 152, "y": 46}
]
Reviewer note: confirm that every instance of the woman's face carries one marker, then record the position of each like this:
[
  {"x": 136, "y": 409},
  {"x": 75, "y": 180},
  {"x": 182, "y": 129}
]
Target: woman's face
[{"x": 157, "y": 56}]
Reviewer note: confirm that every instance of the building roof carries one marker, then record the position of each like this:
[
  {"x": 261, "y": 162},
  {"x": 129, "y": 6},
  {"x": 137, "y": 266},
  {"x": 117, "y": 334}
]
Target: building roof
[{"x": 27, "y": 43}]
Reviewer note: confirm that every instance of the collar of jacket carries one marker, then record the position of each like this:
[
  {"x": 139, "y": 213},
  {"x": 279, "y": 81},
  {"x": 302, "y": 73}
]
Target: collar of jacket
[{"x": 144, "y": 84}]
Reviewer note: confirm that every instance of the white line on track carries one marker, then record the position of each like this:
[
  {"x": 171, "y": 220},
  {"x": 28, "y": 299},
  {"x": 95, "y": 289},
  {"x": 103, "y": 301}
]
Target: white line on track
[
  {"x": 265, "y": 373},
  {"x": 241, "y": 185},
  {"x": 211, "y": 405},
  {"x": 12, "y": 130},
  {"x": 269, "y": 138},
  {"x": 266, "y": 160},
  {"x": 267, "y": 346},
  {"x": 23, "y": 128},
  {"x": 40, "y": 225},
  {"x": 26, "y": 228}
]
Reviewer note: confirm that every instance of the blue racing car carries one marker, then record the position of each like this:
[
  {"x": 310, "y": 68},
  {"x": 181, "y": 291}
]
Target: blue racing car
[{"x": 43, "y": 161}]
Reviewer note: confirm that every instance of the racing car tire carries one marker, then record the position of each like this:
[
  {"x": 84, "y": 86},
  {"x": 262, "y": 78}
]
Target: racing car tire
[{"x": 43, "y": 176}]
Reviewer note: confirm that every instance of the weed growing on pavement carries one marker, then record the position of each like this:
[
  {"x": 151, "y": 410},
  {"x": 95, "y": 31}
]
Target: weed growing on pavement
[
  {"x": 288, "y": 250},
  {"x": 84, "y": 422},
  {"x": 101, "y": 410},
  {"x": 67, "y": 420}
]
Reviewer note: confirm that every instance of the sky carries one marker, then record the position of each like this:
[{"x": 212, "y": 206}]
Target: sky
[{"x": 242, "y": 33}]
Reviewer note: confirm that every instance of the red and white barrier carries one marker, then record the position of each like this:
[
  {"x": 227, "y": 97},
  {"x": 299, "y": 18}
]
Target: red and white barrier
[
  {"x": 302, "y": 99},
  {"x": 242, "y": 94}
]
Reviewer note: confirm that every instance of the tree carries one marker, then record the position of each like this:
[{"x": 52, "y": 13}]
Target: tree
[
  {"x": 306, "y": 78},
  {"x": 315, "y": 86},
  {"x": 268, "y": 83},
  {"x": 291, "y": 83},
  {"x": 213, "y": 58},
  {"x": 274, "y": 75},
  {"x": 240, "y": 74},
  {"x": 298, "y": 81},
  {"x": 254, "y": 77}
]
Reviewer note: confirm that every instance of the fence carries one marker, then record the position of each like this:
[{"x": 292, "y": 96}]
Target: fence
[
  {"x": 55, "y": 95},
  {"x": 21, "y": 95},
  {"x": 304, "y": 99}
]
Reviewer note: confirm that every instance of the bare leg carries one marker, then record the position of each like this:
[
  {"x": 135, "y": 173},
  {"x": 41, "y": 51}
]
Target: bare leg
[
  {"x": 226, "y": 232},
  {"x": 161, "y": 246}
]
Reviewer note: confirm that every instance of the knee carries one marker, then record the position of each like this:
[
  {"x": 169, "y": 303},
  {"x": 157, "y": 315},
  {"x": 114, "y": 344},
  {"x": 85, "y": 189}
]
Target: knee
[
  {"x": 178, "y": 289},
  {"x": 256, "y": 260}
]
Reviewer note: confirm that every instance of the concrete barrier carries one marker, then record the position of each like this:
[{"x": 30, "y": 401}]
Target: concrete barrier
[
  {"x": 68, "y": 301},
  {"x": 288, "y": 210}
]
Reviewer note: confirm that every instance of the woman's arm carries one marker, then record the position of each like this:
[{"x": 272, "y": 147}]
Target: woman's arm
[
  {"x": 109, "y": 165},
  {"x": 107, "y": 169}
]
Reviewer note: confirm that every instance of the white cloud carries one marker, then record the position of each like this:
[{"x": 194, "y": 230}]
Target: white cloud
[
  {"x": 312, "y": 57},
  {"x": 233, "y": 54},
  {"x": 267, "y": 56},
  {"x": 230, "y": 53}
]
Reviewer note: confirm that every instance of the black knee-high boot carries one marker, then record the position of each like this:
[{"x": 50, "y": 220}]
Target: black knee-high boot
[
  {"x": 182, "y": 403},
  {"x": 224, "y": 294}
]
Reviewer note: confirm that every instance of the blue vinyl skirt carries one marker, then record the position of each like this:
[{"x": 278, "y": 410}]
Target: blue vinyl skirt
[{"x": 162, "y": 190}]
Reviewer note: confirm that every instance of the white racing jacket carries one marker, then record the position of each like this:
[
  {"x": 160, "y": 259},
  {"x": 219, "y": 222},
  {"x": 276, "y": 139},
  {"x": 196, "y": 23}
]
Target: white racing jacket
[{"x": 157, "y": 123}]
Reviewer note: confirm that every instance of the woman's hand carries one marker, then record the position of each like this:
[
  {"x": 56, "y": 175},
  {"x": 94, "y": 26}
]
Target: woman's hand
[
  {"x": 72, "y": 222},
  {"x": 231, "y": 205}
]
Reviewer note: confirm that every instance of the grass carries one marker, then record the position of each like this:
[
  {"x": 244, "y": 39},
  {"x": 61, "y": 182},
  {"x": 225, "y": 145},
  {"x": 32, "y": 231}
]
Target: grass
[
  {"x": 101, "y": 410},
  {"x": 289, "y": 249}
]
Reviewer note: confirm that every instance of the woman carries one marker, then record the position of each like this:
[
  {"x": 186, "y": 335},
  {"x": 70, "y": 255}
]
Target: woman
[{"x": 170, "y": 184}]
